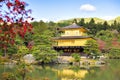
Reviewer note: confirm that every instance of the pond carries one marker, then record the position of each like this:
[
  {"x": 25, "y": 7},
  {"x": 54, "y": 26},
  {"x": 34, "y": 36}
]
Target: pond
[{"x": 110, "y": 71}]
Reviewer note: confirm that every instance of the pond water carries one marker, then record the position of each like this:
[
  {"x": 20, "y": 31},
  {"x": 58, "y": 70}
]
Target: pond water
[{"x": 110, "y": 71}]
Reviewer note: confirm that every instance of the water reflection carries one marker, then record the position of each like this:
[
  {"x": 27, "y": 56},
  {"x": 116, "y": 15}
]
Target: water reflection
[
  {"x": 52, "y": 72},
  {"x": 62, "y": 72},
  {"x": 110, "y": 71},
  {"x": 67, "y": 74}
]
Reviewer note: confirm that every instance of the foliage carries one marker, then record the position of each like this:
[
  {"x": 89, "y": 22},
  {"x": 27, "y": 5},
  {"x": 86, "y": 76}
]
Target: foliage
[
  {"x": 81, "y": 22},
  {"x": 23, "y": 50},
  {"x": 44, "y": 54},
  {"x": 108, "y": 39},
  {"x": 13, "y": 22},
  {"x": 40, "y": 27},
  {"x": 3, "y": 60},
  {"x": 91, "y": 48},
  {"x": 22, "y": 70},
  {"x": 43, "y": 42},
  {"x": 105, "y": 35},
  {"x": 8, "y": 76},
  {"x": 114, "y": 52},
  {"x": 22, "y": 67},
  {"x": 76, "y": 57},
  {"x": 12, "y": 49}
]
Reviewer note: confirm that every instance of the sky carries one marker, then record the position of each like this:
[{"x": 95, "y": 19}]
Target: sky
[{"x": 55, "y": 10}]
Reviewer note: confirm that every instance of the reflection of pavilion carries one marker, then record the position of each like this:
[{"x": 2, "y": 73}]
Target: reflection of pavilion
[
  {"x": 60, "y": 72},
  {"x": 68, "y": 74},
  {"x": 72, "y": 40}
]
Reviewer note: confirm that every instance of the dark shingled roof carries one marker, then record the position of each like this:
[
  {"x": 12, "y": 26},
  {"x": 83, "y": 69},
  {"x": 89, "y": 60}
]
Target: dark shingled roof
[
  {"x": 71, "y": 37},
  {"x": 74, "y": 25}
]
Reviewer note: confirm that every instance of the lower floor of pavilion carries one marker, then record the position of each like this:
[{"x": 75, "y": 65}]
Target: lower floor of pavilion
[{"x": 68, "y": 50}]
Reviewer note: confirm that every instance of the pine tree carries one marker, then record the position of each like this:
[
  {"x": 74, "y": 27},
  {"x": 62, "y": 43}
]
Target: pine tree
[{"x": 81, "y": 22}]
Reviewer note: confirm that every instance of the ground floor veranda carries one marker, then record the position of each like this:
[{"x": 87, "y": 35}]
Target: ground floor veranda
[{"x": 68, "y": 50}]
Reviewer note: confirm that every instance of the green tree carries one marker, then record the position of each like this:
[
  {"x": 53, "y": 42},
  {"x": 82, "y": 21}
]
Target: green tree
[
  {"x": 45, "y": 54},
  {"x": 42, "y": 26},
  {"x": 81, "y": 22},
  {"x": 105, "y": 25},
  {"x": 75, "y": 21},
  {"x": 115, "y": 24},
  {"x": 105, "y": 35},
  {"x": 92, "y": 27},
  {"x": 114, "y": 52},
  {"x": 42, "y": 48},
  {"x": 92, "y": 48},
  {"x": 92, "y": 21},
  {"x": 118, "y": 27},
  {"x": 76, "y": 57}
]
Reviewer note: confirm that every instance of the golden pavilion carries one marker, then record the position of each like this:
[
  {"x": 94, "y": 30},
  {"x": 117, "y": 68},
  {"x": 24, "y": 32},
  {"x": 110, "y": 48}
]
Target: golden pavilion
[{"x": 72, "y": 40}]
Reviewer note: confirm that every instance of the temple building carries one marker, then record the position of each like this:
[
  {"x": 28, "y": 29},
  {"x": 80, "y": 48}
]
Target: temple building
[{"x": 72, "y": 40}]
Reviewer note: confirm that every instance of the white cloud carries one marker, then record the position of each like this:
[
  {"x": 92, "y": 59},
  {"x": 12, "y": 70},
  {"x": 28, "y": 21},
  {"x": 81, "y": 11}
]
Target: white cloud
[{"x": 87, "y": 7}]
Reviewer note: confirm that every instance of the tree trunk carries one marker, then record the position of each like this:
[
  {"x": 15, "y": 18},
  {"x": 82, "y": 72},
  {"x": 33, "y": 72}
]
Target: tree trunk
[{"x": 5, "y": 52}]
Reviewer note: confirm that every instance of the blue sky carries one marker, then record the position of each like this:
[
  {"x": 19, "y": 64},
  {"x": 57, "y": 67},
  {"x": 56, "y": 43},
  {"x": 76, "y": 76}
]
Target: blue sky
[{"x": 55, "y": 10}]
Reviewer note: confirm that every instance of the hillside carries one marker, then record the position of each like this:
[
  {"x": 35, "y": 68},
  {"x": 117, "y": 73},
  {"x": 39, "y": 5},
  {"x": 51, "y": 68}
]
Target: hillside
[
  {"x": 117, "y": 20},
  {"x": 97, "y": 20}
]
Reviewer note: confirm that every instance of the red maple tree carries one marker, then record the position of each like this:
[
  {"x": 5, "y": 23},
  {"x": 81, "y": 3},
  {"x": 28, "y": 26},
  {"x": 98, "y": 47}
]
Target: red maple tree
[
  {"x": 101, "y": 44},
  {"x": 13, "y": 21},
  {"x": 115, "y": 43}
]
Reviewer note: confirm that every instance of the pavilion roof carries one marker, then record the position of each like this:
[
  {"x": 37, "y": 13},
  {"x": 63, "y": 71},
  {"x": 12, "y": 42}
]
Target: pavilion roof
[{"x": 73, "y": 26}]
